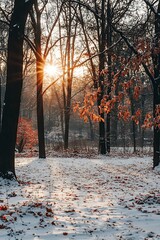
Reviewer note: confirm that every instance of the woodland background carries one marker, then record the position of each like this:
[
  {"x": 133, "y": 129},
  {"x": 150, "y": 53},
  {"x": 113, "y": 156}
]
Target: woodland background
[{"x": 90, "y": 77}]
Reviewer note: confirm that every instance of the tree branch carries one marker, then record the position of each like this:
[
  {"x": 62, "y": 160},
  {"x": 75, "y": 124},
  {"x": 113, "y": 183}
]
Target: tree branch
[
  {"x": 130, "y": 46},
  {"x": 151, "y": 6}
]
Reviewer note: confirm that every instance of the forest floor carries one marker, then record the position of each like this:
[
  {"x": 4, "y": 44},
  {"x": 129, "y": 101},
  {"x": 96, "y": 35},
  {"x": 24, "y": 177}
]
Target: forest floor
[{"x": 103, "y": 198}]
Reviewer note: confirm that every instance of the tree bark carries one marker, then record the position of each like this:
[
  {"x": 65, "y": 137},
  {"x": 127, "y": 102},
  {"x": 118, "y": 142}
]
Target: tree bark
[
  {"x": 102, "y": 43},
  {"x": 156, "y": 136},
  {"x": 156, "y": 87},
  {"x": 0, "y": 99},
  {"x": 14, "y": 82},
  {"x": 68, "y": 63},
  {"x": 36, "y": 22},
  {"x": 40, "y": 111},
  {"x": 109, "y": 54}
]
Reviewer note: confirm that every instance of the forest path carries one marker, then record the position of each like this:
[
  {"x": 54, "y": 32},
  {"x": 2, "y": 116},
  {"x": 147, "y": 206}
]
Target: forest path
[
  {"x": 102, "y": 195},
  {"x": 79, "y": 198}
]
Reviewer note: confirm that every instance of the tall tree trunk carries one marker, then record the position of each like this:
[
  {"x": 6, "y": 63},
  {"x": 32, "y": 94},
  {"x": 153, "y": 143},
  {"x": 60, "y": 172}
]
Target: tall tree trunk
[
  {"x": 133, "y": 125},
  {"x": 156, "y": 101},
  {"x": 134, "y": 136},
  {"x": 109, "y": 42},
  {"x": 92, "y": 134},
  {"x": 69, "y": 83},
  {"x": 0, "y": 99},
  {"x": 142, "y": 120},
  {"x": 156, "y": 138},
  {"x": 14, "y": 82},
  {"x": 40, "y": 111},
  {"x": 68, "y": 66},
  {"x": 61, "y": 112},
  {"x": 102, "y": 42},
  {"x": 36, "y": 22}
]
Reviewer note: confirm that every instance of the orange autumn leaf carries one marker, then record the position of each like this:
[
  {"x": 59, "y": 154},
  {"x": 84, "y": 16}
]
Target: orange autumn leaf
[
  {"x": 148, "y": 121},
  {"x": 136, "y": 92}
]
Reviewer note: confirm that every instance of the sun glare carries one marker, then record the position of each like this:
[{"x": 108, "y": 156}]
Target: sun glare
[{"x": 51, "y": 70}]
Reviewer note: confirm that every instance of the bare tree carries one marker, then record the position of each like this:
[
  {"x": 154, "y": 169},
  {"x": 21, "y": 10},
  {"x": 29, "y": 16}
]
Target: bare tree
[
  {"x": 68, "y": 62},
  {"x": 41, "y": 51}
]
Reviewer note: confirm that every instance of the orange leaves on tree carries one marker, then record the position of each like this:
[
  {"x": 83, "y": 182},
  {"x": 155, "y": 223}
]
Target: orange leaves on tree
[
  {"x": 143, "y": 46},
  {"x": 76, "y": 107},
  {"x": 127, "y": 84},
  {"x": 26, "y": 135},
  {"x": 148, "y": 121},
  {"x": 124, "y": 112},
  {"x": 83, "y": 114},
  {"x": 96, "y": 117},
  {"x": 138, "y": 112},
  {"x": 107, "y": 104},
  {"x": 90, "y": 99},
  {"x": 120, "y": 96},
  {"x": 136, "y": 92},
  {"x": 157, "y": 116},
  {"x": 136, "y": 116},
  {"x": 88, "y": 107}
]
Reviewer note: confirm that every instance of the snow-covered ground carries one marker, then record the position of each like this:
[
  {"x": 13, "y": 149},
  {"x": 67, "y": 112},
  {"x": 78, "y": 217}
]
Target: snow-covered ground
[{"x": 66, "y": 198}]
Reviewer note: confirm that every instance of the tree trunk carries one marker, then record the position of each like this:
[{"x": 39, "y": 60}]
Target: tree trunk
[
  {"x": 156, "y": 137},
  {"x": 40, "y": 111},
  {"x": 156, "y": 100},
  {"x": 69, "y": 64},
  {"x": 66, "y": 130},
  {"x": 40, "y": 74},
  {"x": 92, "y": 134},
  {"x": 133, "y": 127},
  {"x": 14, "y": 82},
  {"x": 61, "y": 112},
  {"x": 142, "y": 120},
  {"x": 134, "y": 136},
  {"x": 67, "y": 109},
  {"x": 109, "y": 43},
  {"x": 102, "y": 42},
  {"x": 0, "y": 100}
]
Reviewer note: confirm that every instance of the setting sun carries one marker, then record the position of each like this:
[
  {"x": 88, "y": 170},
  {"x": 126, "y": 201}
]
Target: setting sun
[{"x": 51, "y": 70}]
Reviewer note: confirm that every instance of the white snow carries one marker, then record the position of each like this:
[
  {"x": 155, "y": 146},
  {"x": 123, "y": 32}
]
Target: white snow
[{"x": 79, "y": 198}]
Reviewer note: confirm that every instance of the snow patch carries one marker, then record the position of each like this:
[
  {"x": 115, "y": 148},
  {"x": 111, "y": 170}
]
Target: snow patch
[{"x": 67, "y": 198}]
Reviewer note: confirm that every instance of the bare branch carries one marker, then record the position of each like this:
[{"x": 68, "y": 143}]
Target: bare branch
[
  {"x": 130, "y": 46},
  {"x": 99, "y": 53},
  {"x": 32, "y": 46},
  {"x": 87, "y": 7},
  {"x": 5, "y": 15},
  {"x": 50, "y": 33},
  {"x": 151, "y": 6}
]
